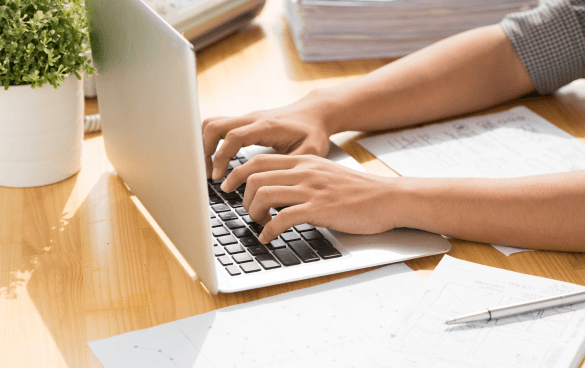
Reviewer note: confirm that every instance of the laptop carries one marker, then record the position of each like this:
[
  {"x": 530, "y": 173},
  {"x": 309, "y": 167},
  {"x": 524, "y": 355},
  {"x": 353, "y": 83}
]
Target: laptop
[{"x": 146, "y": 83}]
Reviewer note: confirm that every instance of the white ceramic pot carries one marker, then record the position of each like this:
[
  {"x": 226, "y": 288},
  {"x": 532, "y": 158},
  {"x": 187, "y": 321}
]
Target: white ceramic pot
[{"x": 41, "y": 133}]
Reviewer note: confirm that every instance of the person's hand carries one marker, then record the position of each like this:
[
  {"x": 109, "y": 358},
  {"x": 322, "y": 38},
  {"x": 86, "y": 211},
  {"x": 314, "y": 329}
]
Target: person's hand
[
  {"x": 297, "y": 129},
  {"x": 316, "y": 191}
]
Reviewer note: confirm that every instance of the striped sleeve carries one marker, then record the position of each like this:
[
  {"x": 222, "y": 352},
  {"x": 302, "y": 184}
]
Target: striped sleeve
[{"x": 550, "y": 41}]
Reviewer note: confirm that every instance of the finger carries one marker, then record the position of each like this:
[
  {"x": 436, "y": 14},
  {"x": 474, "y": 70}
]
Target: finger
[
  {"x": 208, "y": 166},
  {"x": 236, "y": 139},
  {"x": 258, "y": 164},
  {"x": 265, "y": 219},
  {"x": 209, "y": 120},
  {"x": 284, "y": 220},
  {"x": 216, "y": 129},
  {"x": 269, "y": 179},
  {"x": 276, "y": 196}
]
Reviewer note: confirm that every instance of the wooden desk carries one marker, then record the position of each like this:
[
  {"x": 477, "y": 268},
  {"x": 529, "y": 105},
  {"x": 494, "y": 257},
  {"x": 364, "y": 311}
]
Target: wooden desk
[{"x": 79, "y": 261}]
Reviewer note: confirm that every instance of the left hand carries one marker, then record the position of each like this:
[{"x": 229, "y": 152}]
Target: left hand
[{"x": 316, "y": 191}]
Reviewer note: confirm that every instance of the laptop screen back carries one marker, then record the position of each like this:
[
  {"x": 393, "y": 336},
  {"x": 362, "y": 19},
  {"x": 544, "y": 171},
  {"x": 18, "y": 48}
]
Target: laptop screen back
[{"x": 147, "y": 92}]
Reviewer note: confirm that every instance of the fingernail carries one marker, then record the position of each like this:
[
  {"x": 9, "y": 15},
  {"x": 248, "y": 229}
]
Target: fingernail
[
  {"x": 215, "y": 174},
  {"x": 262, "y": 238}
]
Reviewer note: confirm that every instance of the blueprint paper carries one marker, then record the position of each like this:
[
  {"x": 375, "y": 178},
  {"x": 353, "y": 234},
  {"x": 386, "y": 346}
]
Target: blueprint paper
[
  {"x": 302, "y": 328},
  {"x": 552, "y": 338},
  {"x": 512, "y": 143}
]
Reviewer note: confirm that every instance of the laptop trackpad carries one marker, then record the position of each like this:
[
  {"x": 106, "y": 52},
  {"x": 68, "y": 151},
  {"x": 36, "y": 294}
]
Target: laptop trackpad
[{"x": 400, "y": 242}]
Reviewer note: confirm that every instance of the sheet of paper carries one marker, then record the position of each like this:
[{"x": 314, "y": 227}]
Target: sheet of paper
[
  {"x": 508, "y": 251},
  {"x": 297, "y": 329},
  {"x": 552, "y": 338},
  {"x": 512, "y": 143}
]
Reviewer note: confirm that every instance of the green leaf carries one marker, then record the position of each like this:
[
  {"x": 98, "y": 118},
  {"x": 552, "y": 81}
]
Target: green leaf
[{"x": 41, "y": 42}]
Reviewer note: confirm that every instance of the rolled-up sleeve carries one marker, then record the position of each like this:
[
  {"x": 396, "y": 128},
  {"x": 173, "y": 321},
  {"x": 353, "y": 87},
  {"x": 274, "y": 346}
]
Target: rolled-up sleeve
[{"x": 550, "y": 41}]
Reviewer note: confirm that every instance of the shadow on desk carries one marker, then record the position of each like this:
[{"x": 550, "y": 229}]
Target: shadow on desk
[{"x": 94, "y": 267}]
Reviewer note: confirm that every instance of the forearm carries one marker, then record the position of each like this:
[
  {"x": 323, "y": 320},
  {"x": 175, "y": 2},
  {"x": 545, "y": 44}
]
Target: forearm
[
  {"x": 464, "y": 73},
  {"x": 543, "y": 212}
]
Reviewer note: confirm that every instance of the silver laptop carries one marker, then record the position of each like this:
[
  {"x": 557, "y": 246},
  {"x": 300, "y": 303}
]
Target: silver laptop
[{"x": 147, "y": 90}]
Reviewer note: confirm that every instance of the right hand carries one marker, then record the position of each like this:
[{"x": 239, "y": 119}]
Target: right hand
[{"x": 296, "y": 129}]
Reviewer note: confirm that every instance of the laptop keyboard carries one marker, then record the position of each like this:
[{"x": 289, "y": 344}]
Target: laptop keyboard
[{"x": 235, "y": 235}]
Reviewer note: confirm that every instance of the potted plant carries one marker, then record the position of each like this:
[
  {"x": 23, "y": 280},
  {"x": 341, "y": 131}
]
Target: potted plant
[{"x": 41, "y": 102}]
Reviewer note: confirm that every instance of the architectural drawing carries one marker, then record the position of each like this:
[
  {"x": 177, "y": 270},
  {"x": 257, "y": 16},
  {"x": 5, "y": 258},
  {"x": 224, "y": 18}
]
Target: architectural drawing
[
  {"x": 320, "y": 326},
  {"x": 553, "y": 338},
  {"x": 458, "y": 299},
  {"x": 511, "y": 350},
  {"x": 513, "y": 143}
]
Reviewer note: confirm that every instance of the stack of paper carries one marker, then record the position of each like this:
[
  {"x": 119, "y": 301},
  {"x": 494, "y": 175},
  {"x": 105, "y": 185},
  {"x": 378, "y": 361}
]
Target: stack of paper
[{"x": 360, "y": 29}]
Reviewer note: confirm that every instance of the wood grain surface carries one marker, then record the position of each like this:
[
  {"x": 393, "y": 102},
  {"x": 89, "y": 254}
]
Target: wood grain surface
[{"x": 80, "y": 261}]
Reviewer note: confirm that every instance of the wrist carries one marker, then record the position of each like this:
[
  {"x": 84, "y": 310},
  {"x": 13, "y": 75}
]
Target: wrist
[
  {"x": 323, "y": 105},
  {"x": 411, "y": 201}
]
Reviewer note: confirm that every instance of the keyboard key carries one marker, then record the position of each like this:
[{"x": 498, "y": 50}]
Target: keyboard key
[
  {"x": 228, "y": 239},
  {"x": 225, "y": 260},
  {"x": 267, "y": 261},
  {"x": 288, "y": 237},
  {"x": 233, "y": 270},
  {"x": 247, "y": 219},
  {"x": 242, "y": 258},
  {"x": 222, "y": 207},
  {"x": 311, "y": 235},
  {"x": 286, "y": 257},
  {"x": 256, "y": 227},
  {"x": 214, "y": 242},
  {"x": 218, "y": 251},
  {"x": 273, "y": 212},
  {"x": 217, "y": 188},
  {"x": 242, "y": 211},
  {"x": 256, "y": 250},
  {"x": 277, "y": 244},
  {"x": 304, "y": 252},
  {"x": 288, "y": 230},
  {"x": 304, "y": 227},
  {"x": 242, "y": 232},
  {"x": 211, "y": 214},
  {"x": 329, "y": 253},
  {"x": 219, "y": 231},
  {"x": 250, "y": 267},
  {"x": 236, "y": 203},
  {"x": 249, "y": 241},
  {"x": 215, "y": 222},
  {"x": 243, "y": 160},
  {"x": 215, "y": 200},
  {"x": 234, "y": 249},
  {"x": 320, "y": 244},
  {"x": 231, "y": 195},
  {"x": 212, "y": 182},
  {"x": 226, "y": 216},
  {"x": 234, "y": 224},
  {"x": 242, "y": 187}
]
